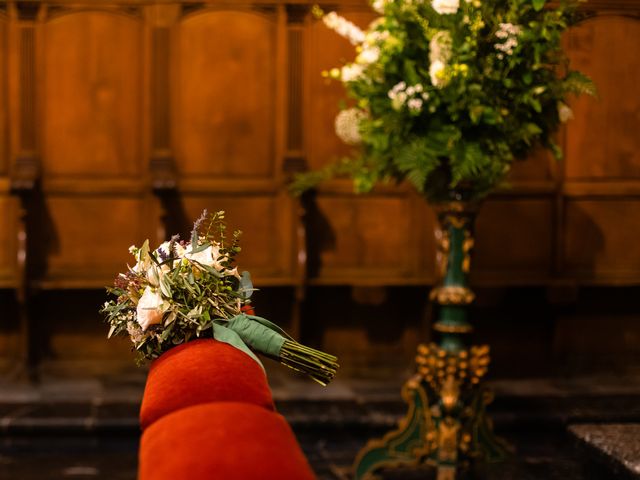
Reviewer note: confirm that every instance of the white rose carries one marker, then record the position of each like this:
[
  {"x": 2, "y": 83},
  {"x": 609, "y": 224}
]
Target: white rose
[
  {"x": 445, "y": 7},
  {"x": 207, "y": 257},
  {"x": 149, "y": 310}
]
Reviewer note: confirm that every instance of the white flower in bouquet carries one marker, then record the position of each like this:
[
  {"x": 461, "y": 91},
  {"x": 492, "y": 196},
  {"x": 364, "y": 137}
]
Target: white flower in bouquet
[
  {"x": 437, "y": 74},
  {"x": 445, "y": 7},
  {"x": 344, "y": 28},
  {"x": 415, "y": 105},
  {"x": 209, "y": 257},
  {"x": 351, "y": 72},
  {"x": 440, "y": 47},
  {"x": 347, "y": 125},
  {"x": 149, "y": 309},
  {"x": 368, "y": 55},
  {"x": 378, "y": 5}
]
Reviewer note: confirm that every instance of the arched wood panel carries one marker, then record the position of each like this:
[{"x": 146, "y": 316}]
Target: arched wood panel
[
  {"x": 224, "y": 120},
  {"x": 91, "y": 95}
]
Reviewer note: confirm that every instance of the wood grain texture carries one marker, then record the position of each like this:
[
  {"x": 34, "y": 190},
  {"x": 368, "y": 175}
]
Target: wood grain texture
[
  {"x": 88, "y": 238},
  {"x": 363, "y": 240},
  {"x": 92, "y": 95},
  {"x": 225, "y": 86},
  {"x": 602, "y": 139}
]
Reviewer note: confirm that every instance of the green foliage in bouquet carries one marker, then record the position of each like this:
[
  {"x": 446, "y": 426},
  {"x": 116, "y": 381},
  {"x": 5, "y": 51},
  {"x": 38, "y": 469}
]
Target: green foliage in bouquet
[
  {"x": 448, "y": 93},
  {"x": 186, "y": 290}
]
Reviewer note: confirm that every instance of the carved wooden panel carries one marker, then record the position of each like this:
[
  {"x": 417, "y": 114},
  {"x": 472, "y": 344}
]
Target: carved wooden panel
[
  {"x": 87, "y": 238},
  {"x": 514, "y": 241},
  {"x": 8, "y": 240},
  {"x": 224, "y": 94},
  {"x": 602, "y": 139},
  {"x": 326, "y": 50},
  {"x": 266, "y": 225},
  {"x": 601, "y": 239},
  {"x": 91, "y": 93}
]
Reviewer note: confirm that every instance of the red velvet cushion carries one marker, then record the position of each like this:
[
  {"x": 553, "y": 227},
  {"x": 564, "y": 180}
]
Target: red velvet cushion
[
  {"x": 222, "y": 441},
  {"x": 202, "y": 371}
]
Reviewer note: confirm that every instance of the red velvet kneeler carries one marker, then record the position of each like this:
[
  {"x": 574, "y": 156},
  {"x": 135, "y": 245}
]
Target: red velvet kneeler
[
  {"x": 202, "y": 371},
  {"x": 208, "y": 414},
  {"x": 222, "y": 441}
]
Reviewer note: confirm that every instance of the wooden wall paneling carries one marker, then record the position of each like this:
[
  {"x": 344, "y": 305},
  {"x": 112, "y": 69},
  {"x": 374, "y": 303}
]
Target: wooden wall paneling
[
  {"x": 423, "y": 248},
  {"x": 602, "y": 140},
  {"x": 88, "y": 238},
  {"x": 514, "y": 241},
  {"x": 225, "y": 94},
  {"x": 161, "y": 23},
  {"x": 92, "y": 95},
  {"x": 363, "y": 240},
  {"x": 601, "y": 240}
]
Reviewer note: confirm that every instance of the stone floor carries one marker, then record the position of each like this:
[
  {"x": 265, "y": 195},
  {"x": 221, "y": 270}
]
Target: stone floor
[{"x": 62, "y": 428}]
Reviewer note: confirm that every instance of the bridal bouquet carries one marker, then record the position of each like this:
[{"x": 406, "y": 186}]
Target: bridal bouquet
[
  {"x": 186, "y": 290},
  {"x": 448, "y": 93}
]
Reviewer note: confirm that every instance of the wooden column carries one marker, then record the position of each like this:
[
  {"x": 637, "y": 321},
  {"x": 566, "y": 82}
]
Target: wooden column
[{"x": 25, "y": 167}]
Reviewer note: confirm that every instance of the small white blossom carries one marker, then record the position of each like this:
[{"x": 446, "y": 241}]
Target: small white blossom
[
  {"x": 368, "y": 56},
  {"x": 508, "y": 33},
  {"x": 344, "y": 28},
  {"x": 445, "y": 7},
  {"x": 440, "y": 47},
  {"x": 347, "y": 125},
  {"x": 564, "y": 112},
  {"x": 378, "y": 5},
  {"x": 398, "y": 101},
  {"x": 436, "y": 73},
  {"x": 351, "y": 72},
  {"x": 415, "y": 104}
]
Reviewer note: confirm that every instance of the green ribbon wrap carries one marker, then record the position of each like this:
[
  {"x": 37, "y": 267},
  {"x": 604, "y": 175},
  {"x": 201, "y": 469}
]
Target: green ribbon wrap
[{"x": 247, "y": 332}]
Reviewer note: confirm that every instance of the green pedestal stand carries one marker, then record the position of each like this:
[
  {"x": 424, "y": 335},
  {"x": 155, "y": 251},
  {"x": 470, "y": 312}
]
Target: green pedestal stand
[{"x": 446, "y": 425}]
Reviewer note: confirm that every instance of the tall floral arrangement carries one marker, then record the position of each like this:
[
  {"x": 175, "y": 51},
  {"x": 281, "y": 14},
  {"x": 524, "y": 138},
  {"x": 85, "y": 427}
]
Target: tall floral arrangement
[{"x": 449, "y": 93}]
